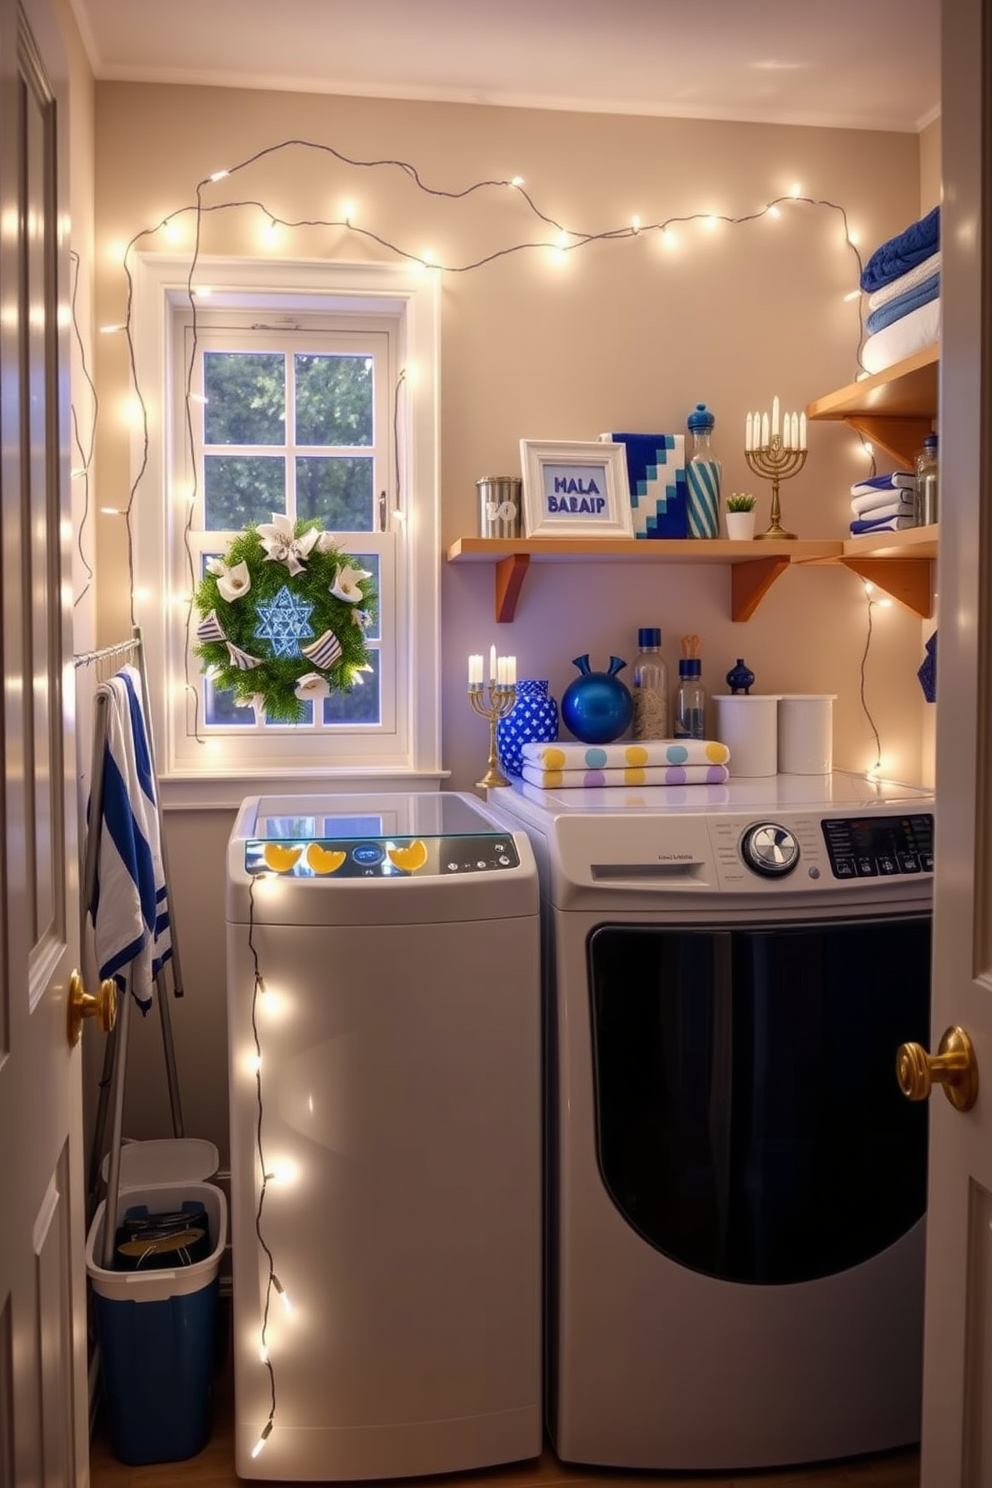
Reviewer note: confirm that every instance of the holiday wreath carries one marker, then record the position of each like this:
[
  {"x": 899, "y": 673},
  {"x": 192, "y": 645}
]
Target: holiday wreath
[{"x": 283, "y": 618}]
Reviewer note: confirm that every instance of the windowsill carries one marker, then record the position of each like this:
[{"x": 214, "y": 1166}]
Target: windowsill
[{"x": 226, "y": 792}]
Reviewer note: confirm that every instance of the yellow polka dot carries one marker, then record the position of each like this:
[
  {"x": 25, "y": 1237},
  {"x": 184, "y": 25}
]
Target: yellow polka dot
[
  {"x": 552, "y": 777},
  {"x": 717, "y": 754},
  {"x": 553, "y": 759},
  {"x": 633, "y": 777},
  {"x": 636, "y": 754}
]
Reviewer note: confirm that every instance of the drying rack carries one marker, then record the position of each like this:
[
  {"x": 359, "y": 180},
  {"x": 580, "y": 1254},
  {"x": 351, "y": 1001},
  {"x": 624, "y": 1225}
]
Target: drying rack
[{"x": 112, "y": 1081}]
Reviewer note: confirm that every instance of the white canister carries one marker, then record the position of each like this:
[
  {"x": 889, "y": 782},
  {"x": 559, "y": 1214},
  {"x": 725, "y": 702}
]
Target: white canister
[
  {"x": 806, "y": 733},
  {"x": 748, "y": 725}
]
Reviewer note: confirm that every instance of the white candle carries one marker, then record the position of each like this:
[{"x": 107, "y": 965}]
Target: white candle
[
  {"x": 765, "y": 441},
  {"x": 748, "y": 434},
  {"x": 802, "y": 431},
  {"x": 794, "y": 434},
  {"x": 511, "y": 671},
  {"x": 492, "y": 663},
  {"x": 475, "y": 671},
  {"x": 774, "y": 417}
]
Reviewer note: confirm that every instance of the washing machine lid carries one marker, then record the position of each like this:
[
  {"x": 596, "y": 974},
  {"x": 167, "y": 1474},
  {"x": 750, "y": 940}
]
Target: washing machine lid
[{"x": 418, "y": 856}]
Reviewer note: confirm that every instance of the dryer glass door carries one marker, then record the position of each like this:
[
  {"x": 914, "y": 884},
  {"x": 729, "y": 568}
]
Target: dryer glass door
[{"x": 749, "y": 1124}]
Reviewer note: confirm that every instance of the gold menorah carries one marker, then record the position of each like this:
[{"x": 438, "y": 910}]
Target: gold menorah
[
  {"x": 774, "y": 462},
  {"x": 492, "y": 702}
]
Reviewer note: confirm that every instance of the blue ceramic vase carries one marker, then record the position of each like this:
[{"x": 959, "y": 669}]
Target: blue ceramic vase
[
  {"x": 533, "y": 719},
  {"x": 597, "y": 707}
]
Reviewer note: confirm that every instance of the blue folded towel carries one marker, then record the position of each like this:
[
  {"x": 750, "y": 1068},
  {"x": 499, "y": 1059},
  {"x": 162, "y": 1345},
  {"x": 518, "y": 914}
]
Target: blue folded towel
[
  {"x": 903, "y": 304},
  {"x": 896, "y": 480},
  {"x": 902, "y": 253},
  {"x": 881, "y": 524}
]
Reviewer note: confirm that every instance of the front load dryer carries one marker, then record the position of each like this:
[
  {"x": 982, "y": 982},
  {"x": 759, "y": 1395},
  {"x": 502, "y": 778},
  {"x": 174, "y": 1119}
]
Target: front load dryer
[
  {"x": 736, "y": 1185},
  {"x": 384, "y": 1024}
]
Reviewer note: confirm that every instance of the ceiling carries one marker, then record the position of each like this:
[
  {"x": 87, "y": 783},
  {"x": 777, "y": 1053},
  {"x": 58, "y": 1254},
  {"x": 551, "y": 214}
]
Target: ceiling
[{"x": 857, "y": 64}]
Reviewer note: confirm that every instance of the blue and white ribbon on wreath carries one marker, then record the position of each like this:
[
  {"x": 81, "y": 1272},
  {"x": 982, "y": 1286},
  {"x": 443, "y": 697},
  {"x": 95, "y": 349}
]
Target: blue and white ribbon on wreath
[
  {"x": 324, "y": 651},
  {"x": 210, "y": 628},
  {"x": 241, "y": 659}
]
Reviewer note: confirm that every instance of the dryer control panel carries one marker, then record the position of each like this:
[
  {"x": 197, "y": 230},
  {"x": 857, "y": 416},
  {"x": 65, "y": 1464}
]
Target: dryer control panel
[{"x": 879, "y": 846}]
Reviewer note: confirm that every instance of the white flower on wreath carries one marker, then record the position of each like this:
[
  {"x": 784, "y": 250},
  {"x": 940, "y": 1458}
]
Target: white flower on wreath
[
  {"x": 345, "y": 586},
  {"x": 232, "y": 583},
  {"x": 282, "y": 547},
  {"x": 312, "y": 686},
  {"x": 326, "y": 542},
  {"x": 256, "y": 701}
]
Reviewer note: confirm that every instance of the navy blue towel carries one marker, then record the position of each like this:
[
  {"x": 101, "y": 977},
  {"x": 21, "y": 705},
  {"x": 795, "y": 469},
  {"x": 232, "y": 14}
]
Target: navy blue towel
[{"x": 902, "y": 253}]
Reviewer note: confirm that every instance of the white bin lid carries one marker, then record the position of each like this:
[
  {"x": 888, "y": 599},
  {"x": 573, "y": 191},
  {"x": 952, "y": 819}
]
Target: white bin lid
[{"x": 175, "y": 1160}]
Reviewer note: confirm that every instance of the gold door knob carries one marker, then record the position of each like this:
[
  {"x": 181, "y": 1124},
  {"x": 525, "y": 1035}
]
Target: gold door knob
[
  {"x": 83, "y": 1005},
  {"x": 954, "y": 1066}
]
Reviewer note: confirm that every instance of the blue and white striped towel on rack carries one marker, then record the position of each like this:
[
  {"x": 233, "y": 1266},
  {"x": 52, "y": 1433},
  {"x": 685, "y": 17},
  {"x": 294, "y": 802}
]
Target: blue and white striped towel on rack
[{"x": 130, "y": 904}]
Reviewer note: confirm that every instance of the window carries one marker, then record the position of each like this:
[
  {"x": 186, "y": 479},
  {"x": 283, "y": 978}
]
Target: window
[{"x": 309, "y": 394}]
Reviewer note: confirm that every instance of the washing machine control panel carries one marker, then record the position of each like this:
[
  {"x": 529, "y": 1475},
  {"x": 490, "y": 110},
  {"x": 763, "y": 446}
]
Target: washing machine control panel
[
  {"x": 879, "y": 846},
  {"x": 382, "y": 857}
]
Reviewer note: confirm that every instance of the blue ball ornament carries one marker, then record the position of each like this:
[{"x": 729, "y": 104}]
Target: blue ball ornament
[{"x": 597, "y": 707}]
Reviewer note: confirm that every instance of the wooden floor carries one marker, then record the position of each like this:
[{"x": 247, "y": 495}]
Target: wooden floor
[{"x": 214, "y": 1468}]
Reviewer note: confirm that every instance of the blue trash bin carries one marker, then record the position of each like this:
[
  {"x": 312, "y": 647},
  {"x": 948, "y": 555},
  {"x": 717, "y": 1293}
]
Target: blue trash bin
[{"x": 156, "y": 1332}]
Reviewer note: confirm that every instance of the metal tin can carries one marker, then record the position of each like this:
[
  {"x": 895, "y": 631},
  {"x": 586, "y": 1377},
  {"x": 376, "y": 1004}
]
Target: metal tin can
[{"x": 499, "y": 505}]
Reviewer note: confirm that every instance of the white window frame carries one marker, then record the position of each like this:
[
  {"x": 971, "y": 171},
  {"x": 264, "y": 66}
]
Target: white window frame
[{"x": 207, "y": 773}]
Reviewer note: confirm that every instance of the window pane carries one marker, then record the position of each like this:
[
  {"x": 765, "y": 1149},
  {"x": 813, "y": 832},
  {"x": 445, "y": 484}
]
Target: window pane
[
  {"x": 305, "y": 722},
  {"x": 238, "y": 489},
  {"x": 334, "y": 399},
  {"x": 246, "y": 397},
  {"x": 361, "y": 703},
  {"x": 337, "y": 491},
  {"x": 219, "y": 707}
]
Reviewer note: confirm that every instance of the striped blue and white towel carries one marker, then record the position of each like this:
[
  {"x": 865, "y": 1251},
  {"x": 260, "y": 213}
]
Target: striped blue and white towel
[
  {"x": 881, "y": 524},
  {"x": 130, "y": 912},
  {"x": 896, "y": 480}
]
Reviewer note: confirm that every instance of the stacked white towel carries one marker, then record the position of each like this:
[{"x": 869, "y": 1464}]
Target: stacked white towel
[
  {"x": 130, "y": 910},
  {"x": 883, "y": 503},
  {"x": 902, "y": 281}
]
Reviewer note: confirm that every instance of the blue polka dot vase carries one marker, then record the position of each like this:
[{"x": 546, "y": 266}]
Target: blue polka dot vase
[{"x": 533, "y": 719}]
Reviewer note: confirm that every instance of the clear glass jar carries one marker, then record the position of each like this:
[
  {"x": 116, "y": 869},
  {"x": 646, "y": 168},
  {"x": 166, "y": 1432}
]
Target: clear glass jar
[
  {"x": 650, "y": 690},
  {"x": 690, "y": 700}
]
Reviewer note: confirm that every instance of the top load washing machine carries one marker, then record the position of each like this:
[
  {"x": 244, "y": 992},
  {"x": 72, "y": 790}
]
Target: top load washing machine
[
  {"x": 384, "y": 1026},
  {"x": 736, "y": 1185}
]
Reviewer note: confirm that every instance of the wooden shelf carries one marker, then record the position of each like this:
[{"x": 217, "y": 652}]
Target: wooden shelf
[
  {"x": 754, "y": 566},
  {"x": 901, "y": 563},
  {"x": 895, "y": 409}
]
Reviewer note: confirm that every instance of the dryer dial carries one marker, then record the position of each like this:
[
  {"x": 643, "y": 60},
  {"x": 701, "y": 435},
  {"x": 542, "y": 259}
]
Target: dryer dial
[{"x": 769, "y": 850}]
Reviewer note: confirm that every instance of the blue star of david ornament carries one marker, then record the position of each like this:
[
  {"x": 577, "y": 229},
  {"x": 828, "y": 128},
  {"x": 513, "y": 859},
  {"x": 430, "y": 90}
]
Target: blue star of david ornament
[{"x": 284, "y": 622}]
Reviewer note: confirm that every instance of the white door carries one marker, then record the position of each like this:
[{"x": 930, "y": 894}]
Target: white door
[
  {"x": 43, "y": 1417},
  {"x": 957, "y": 1410}
]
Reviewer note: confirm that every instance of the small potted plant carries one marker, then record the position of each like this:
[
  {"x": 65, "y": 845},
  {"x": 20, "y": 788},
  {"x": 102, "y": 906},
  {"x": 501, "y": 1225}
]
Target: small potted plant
[{"x": 740, "y": 516}]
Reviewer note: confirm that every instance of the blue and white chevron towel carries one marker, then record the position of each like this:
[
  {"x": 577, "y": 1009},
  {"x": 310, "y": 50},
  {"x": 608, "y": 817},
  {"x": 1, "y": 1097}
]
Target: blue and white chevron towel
[{"x": 130, "y": 912}]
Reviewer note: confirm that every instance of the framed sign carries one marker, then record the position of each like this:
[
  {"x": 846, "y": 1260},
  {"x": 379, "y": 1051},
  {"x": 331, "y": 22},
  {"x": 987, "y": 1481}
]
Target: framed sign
[{"x": 575, "y": 489}]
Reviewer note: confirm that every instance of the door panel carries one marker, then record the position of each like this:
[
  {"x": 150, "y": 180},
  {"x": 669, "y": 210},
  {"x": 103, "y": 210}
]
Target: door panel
[
  {"x": 958, "y": 1360},
  {"x": 43, "y": 1415}
]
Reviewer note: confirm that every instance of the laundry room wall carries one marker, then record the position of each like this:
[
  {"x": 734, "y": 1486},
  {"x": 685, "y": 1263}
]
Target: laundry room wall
[{"x": 628, "y": 332}]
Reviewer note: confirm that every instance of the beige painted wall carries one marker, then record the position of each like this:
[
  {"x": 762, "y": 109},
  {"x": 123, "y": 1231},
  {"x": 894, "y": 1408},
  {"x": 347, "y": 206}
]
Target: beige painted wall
[{"x": 622, "y": 335}]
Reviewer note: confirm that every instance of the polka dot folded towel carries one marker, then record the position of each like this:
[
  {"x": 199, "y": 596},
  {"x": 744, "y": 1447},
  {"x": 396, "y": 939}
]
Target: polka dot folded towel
[{"x": 653, "y": 762}]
